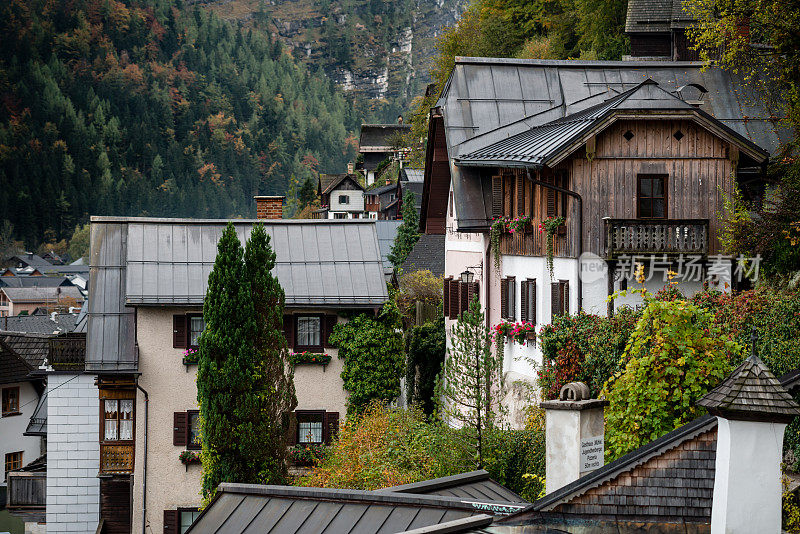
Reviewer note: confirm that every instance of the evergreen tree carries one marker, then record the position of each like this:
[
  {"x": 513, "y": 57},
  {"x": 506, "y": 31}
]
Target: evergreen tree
[
  {"x": 228, "y": 387},
  {"x": 308, "y": 193},
  {"x": 472, "y": 383},
  {"x": 275, "y": 383},
  {"x": 407, "y": 232}
]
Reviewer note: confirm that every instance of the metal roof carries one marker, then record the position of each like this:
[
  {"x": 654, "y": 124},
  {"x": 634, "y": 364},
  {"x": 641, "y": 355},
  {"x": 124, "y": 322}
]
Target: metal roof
[
  {"x": 540, "y": 144},
  {"x": 240, "y": 508},
  {"x": 151, "y": 261},
  {"x": 410, "y": 174},
  {"x": 387, "y": 231},
  {"x": 42, "y": 294},
  {"x": 476, "y": 485}
]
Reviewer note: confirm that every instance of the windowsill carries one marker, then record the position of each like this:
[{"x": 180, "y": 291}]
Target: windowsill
[
  {"x": 319, "y": 348},
  {"x": 11, "y": 414},
  {"x": 187, "y": 363}
]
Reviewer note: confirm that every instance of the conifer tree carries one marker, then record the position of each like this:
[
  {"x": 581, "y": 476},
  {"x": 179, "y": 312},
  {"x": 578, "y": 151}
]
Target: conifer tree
[
  {"x": 275, "y": 380},
  {"x": 472, "y": 383},
  {"x": 407, "y": 232}
]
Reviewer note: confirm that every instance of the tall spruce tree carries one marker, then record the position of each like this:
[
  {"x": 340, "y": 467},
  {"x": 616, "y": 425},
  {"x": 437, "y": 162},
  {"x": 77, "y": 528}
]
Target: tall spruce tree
[
  {"x": 276, "y": 384},
  {"x": 472, "y": 383},
  {"x": 237, "y": 394},
  {"x": 407, "y": 232}
]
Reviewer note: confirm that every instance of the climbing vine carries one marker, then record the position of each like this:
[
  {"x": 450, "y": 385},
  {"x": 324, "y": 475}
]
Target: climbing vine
[{"x": 550, "y": 226}]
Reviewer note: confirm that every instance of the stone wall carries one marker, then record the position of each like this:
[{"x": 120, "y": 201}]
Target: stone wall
[{"x": 73, "y": 454}]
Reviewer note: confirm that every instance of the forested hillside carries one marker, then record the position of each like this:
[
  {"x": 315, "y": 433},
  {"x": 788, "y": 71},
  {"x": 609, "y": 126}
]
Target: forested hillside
[{"x": 152, "y": 108}]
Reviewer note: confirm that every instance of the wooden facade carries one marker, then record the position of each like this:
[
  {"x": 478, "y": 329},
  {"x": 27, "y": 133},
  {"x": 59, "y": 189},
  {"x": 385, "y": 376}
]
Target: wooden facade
[{"x": 699, "y": 168}]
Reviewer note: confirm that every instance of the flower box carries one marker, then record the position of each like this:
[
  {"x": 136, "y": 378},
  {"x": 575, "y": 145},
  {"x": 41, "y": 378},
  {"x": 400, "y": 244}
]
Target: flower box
[
  {"x": 306, "y": 455},
  {"x": 190, "y": 357},
  {"x": 309, "y": 358},
  {"x": 189, "y": 457}
]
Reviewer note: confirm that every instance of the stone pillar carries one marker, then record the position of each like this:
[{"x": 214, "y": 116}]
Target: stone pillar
[{"x": 574, "y": 435}]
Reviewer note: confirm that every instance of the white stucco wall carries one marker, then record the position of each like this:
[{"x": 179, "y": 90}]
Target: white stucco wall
[
  {"x": 356, "y": 197},
  {"x": 73, "y": 453},
  {"x": 12, "y": 427},
  {"x": 171, "y": 387},
  {"x": 747, "y": 480}
]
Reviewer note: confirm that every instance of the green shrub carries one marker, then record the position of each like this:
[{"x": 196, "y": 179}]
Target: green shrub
[{"x": 426, "y": 351}]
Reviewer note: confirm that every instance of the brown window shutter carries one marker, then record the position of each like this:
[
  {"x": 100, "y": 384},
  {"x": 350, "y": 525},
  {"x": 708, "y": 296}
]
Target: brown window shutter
[
  {"x": 463, "y": 291},
  {"x": 330, "y": 322},
  {"x": 172, "y": 520},
  {"x": 180, "y": 427},
  {"x": 504, "y": 298},
  {"x": 564, "y": 296},
  {"x": 497, "y": 196},
  {"x": 512, "y": 298},
  {"x": 555, "y": 299},
  {"x": 288, "y": 329},
  {"x": 473, "y": 290},
  {"x": 446, "y": 295},
  {"x": 523, "y": 293},
  {"x": 291, "y": 431},
  {"x": 179, "y": 335},
  {"x": 520, "y": 194},
  {"x": 453, "y": 299},
  {"x": 330, "y": 427},
  {"x": 532, "y": 300},
  {"x": 551, "y": 203}
]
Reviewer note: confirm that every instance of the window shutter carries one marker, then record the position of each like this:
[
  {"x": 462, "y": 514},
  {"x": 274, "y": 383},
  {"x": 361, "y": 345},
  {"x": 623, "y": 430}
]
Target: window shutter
[
  {"x": 330, "y": 427},
  {"x": 555, "y": 299},
  {"x": 330, "y": 322},
  {"x": 532, "y": 300},
  {"x": 497, "y": 196},
  {"x": 291, "y": 431},
  {"x": 564, "y": 296},
  {"x": 172, "y": 519},
  {"x": 551, "y": 203},
  {"x": 512, "y": 298},
  {"x": 504, "y": 298},
  {"x": 472, "y": 291},
  {"x": 520, "y": 195},
  {"x": 180, "y": 427},
  {"x": 288, "y": 330},
  {"x": 453, "y": 299},
  {"x": 179, "y": 336},
  {"x": 463, "y": 290},
  {"x": 523, "y": 293},
  {"x": 446, "y": 295}
]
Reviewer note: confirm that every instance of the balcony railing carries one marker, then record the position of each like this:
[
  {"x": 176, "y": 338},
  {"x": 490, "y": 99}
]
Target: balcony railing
[
  {"x": 533, "y": 243},
  {"x": 67, "y": 353},
  {"x": 649, "y": 236},
  {"x": 116, "y": 459}
]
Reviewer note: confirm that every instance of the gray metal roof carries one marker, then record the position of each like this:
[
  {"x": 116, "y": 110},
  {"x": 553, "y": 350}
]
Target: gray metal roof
[
  {"x": 240, "y": 508},
  {"x": 472, "y": 485},
  {"x": 42, "y": 293},
  {"x": 411, "y": 174},
  {"x": 503, "y": 97},
  {"x": 147, "y": 261},
  {"x": 538, "y": 145},
  {"x": 387, "y": 231}
]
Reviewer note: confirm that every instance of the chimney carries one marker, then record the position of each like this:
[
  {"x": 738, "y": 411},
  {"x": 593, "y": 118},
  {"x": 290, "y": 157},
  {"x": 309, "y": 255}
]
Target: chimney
[
  {"x": 351, "y": 168},
  {"x": 752, "y": 409},
  {"x": 574, "y": 435},
  {"x": 269, "y": 207}
]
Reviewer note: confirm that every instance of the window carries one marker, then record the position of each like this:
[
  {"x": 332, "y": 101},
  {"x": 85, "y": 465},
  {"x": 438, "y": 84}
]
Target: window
[
  {"x": 187, "y": 518},
  {"x": 508, "y": 298},
  {"x": 344, "y": 199},
  {"x": 193, "y": 438},
  {"x": 10, "y": 401},
  {"x": 652, "y": 196},
  {"x": 339, "y": 215},
  {"x": 309, "y": 331},
  {"x": 309, "y": 426},
  {"x": 117, "y": 419},
  {"x": 527, "y": 310},
  {"x": 13, "y": 461},
  {"x": 559, "y": 293},
  {"x": 196, "y": 326}
]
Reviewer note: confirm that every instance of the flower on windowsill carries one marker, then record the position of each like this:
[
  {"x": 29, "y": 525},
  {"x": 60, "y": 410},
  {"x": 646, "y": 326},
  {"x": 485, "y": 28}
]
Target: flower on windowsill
[
  {"x": 305, "y": 357},
  {"x": 306, "y": 454},
  {"x": 520, "y": 333},
  {"x": 190, "y": 356},
  {"x": 189, "y": 457}
]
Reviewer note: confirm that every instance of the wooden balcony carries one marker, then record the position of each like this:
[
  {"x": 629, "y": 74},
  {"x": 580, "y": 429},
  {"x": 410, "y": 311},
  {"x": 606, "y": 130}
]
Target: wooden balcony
[
  {"x": 116, "y": 459},
  {"x": 655, "y": 236},
  {"x": 67, "y": 352},
  {"x": 533, "y": 243},
  {"x": 27, "y": 491}
]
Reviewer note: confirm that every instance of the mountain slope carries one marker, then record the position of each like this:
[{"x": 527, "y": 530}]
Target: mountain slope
[{"x": 152, "y": 108}]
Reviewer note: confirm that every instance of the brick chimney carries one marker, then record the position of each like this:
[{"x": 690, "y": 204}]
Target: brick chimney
[
  {"x": 269, "y": 207},
  {"x": 574, "y": 436}
]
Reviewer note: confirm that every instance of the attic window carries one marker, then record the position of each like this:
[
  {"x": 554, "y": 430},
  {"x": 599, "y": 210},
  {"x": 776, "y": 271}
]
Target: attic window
[
  {"x": 678, "y": 135},
  {"x": 628, "y": 135}
]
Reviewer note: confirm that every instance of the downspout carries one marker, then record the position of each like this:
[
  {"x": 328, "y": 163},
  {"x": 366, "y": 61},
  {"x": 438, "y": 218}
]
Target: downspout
[
  {"x": 575, "y": 195},
  {"x": 144, "y": 464}
]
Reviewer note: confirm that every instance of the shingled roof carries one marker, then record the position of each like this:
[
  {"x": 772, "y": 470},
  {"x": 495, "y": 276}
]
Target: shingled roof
[
  {"x": 752, "y": 393},
  {"x": 13, "y": 368},
  {"x": 427, "y": 255},
  {"x": 648, "y": 16}
]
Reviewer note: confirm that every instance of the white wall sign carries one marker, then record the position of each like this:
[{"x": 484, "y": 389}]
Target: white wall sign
[{"x": 592, "y": 450}]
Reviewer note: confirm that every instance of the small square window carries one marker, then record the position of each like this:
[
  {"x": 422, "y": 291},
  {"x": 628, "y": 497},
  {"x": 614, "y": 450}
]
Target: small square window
[
  {"x": 628, "y": 135},
  {"x": 678, "y": 135},
  {"x": 187, "y": 518},
  {"x": 13, "y": 461},
  {"x": 309, "y": 331},
  {"x": 344, "y": 199},
  {"x": 194, "y": 439},
  {"x": 10, "y": 401},
  {"x": 309, "y": 427},
  {"x": 196, "y": 326}
]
